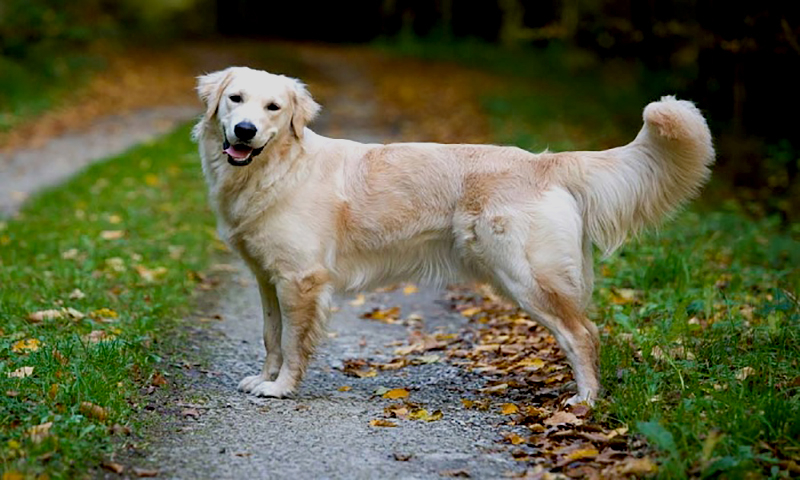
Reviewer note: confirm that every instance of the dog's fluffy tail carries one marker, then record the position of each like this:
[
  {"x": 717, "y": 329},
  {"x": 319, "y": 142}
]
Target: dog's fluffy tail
[{"x": 630, "y": 187}]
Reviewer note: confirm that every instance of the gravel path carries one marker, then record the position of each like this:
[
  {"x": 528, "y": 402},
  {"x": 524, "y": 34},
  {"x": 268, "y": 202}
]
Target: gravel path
[
  {"x": 325, "y": 432},
  {"x": 24, "y": 172}
]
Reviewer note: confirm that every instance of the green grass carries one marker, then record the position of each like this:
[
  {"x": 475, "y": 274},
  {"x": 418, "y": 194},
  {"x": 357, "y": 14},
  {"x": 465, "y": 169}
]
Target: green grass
[
  {"x": 133, "y": 288},
  {"x": 704, "y": 358},
  {"x": 715, "y": 291},
  {"x": 37, "y": 84}
]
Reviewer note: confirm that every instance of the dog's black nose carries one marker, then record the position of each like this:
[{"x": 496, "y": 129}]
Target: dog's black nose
[{"x": 245, "y": 130}]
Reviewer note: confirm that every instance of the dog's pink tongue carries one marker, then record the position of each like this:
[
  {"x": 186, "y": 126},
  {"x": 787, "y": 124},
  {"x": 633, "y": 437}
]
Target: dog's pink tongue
[{"x": 238, "y": 151}]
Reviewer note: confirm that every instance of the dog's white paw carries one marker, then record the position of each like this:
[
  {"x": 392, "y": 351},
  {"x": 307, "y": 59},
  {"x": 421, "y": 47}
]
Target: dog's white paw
[
  {"x": 272, "y": 389},
  {"x": 578, "y": 399},
  {"x": 248, "y": 384}
]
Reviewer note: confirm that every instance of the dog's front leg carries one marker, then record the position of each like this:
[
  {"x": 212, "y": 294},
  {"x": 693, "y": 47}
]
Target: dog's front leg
[
  {"x": 272, "y": 337},
  {"x": 304, "y": 304}
]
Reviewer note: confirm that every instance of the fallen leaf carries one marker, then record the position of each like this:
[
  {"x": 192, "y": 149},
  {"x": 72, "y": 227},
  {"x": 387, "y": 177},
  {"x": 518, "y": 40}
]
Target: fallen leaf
[
  {"x": 112, "y": 234},
  {"x": 158, "y": 380},
  {"x": 151, "y": 180},
  {"x": 396, "y": 393},
  {"x": 389, "y": 315},
  {"x": 52, "y": 391},
  {"x": 39, "y": 432},
  {"x": 43, "y": 315},
  {"x": 344, "y": 388},
  {"x": 508, "y": 409},
  {"x": 563, "y": 418},
  {"x": 113, "y": 467},
  {"x": 422, "y": 414},
  {"x": 148, "y": 275},
  {"x": 469, "y": 312},
  {"x": 745, "y": 372},
  {"x": 13, "y": 475},
  {"x": 145, "y": 472},
  {"x": 96, "y": 412},
  {"x": 410, "y": 289},
  {"x": 428, "y": 358},
  {"x": 380, "y": 422},
  {"x": 496, "y": 388},
  {"x": 514, "y": 439},
  {"x": 637, "y": 466},
  {"x": 21, "y": 372},
  {"x": 583, "y": 453},
  {"x": 402, "y": 457},
  {"x": 28, "y": 344},
  {"x": 115, "y": 219}
]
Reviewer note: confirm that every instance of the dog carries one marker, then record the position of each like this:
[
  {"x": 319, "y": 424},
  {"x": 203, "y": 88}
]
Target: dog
[{"x": 312, "y": 215}]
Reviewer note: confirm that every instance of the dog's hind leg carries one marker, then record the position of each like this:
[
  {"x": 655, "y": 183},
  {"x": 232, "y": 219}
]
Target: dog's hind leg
[
  {"x": 272, "y": 337},
  {"x": 304, "y": 304},
  {"x": 538, "y": 260}
]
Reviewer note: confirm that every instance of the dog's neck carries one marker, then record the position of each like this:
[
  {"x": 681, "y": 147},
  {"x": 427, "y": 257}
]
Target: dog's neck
[{"x": 273, "y": 173}]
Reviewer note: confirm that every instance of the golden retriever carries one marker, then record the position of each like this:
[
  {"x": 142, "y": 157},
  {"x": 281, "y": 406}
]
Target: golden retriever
[{"x": 311, "y": 215}]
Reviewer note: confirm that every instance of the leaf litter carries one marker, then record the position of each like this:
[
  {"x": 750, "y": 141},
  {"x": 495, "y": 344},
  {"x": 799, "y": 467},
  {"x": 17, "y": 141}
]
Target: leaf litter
[{"x": 527, "y": 382}]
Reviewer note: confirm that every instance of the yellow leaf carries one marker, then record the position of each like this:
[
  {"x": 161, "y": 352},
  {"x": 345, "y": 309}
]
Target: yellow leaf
[
  {"x": 396, "y": 393},
  {"x": 508, "y": 409},
  {"x": 422, "y": 414},
  {"x": 21, "y": 372},
  {"x": 13, "y": 475},
  {"x": 151, "y": 180},
  {"x": 514, "y": 439},
  {"x": 535, "y": 363},
  {"x": 379, "y": 422},
  {"x": 103, "y": 314},
  {"x": 585, "y": 453},
  {"x": 31, "y": 344},
  {"x": 13, "y": 445},
  {"x": 344, "y": 388},
  {"x": 114, "y": 219},
  {"x": 409, "y": 289},
  {"x": 470, "y": 311}
]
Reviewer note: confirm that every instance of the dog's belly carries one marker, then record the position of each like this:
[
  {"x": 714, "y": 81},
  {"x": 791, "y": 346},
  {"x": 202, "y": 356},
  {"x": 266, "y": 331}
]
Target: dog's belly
[{"x": 433, "y": 260}]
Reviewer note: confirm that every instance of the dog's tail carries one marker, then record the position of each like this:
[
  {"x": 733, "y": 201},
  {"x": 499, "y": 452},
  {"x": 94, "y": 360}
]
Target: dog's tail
[{"x": 630, "y": 187}]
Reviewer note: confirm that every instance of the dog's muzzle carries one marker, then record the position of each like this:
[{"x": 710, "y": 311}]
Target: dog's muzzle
[{"x": 240, "y": 155}]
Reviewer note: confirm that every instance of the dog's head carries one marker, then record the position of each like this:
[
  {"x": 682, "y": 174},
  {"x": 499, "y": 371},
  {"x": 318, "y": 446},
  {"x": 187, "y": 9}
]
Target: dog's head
[{"x": 253, "y": 109}]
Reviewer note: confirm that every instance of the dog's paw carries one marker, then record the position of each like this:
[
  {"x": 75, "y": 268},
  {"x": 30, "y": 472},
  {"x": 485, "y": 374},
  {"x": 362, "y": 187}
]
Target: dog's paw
[
  {"x": 272, "y": 389},
  {"x": 248, "y": 384},
  {"x": 578, "y": 399}
]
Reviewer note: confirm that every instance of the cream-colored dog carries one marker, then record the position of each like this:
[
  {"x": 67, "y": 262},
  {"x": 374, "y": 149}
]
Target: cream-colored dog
[{"x": 311, "y": 215}]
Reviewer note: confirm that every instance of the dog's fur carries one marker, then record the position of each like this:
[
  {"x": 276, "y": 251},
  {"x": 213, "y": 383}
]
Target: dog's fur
[{"x": 312, "y": 215}]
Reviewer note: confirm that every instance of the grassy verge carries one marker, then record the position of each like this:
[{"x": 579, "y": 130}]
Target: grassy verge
[
  {"x": 701, "y": 321},
  {"x": 113, "y": 256}
]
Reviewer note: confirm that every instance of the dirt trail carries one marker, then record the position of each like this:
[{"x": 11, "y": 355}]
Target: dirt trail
[
  {"x": 25, "y": 171},
  {"x": 325, "y": 432}
]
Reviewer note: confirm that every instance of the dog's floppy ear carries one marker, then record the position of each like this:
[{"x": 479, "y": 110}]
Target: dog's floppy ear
[
  {"x": 305, "y": 108},
  {"x": 210, "y": 87}
]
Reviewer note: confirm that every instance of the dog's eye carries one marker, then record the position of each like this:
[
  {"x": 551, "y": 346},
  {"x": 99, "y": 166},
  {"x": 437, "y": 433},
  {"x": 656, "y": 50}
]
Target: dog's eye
[
  {"x": 236, "y": 98},
  {"x": 273, "y": 107}
]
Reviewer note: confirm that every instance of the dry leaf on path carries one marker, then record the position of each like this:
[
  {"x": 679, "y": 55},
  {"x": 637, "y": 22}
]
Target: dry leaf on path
[
  {"x": 380, "y": 422},
  {"x": 396, "y": 393},
  {"x": 508, "y": 409},
  {"x": 563, "y": 418}
]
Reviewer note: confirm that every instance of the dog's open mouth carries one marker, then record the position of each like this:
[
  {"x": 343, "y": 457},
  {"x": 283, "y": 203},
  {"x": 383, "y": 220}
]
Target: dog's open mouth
[{"x": 240, "y": 155}]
